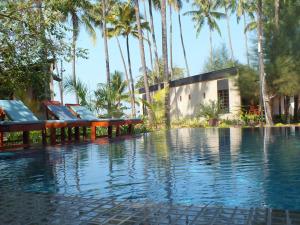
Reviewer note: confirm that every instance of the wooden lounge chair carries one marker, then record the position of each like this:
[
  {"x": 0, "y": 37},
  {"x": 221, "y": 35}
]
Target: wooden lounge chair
[
  {"x": 23, "y": 120},
  {"x": 84, "y": 113}
]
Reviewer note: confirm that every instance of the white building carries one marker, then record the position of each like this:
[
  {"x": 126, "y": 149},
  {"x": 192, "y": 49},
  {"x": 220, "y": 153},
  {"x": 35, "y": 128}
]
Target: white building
[{"x": 188, "y": 93}]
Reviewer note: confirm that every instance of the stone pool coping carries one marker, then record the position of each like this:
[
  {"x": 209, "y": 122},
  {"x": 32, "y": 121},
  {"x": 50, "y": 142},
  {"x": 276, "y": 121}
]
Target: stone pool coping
[{"x": 39, "y": 209}]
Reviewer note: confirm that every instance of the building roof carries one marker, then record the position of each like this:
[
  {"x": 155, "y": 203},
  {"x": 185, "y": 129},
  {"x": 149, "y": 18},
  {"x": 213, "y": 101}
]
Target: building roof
[{"x": 214, "y": 75}]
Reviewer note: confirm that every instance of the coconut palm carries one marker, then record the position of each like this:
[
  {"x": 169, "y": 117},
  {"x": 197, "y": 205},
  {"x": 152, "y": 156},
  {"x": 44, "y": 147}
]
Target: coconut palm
[
  {"x": 78, "y": 12},
  {"x": 148, "y": 36},
  {"x": 124, "y": 23},
  {"x": 264, "y": 100},
  {"x": 156, "y": 5},
  {"x": 142, "y": 54},
  {"x": 205, "y": 13},
  {"x": 177, "y": 5},
  {"x": 244, "y": 9},
  {"x": 79, "y": 88},
  {"x": 111, "y": 97},
  {"x": 165, "y": 62},
  {"x": 229, "y": 7}
]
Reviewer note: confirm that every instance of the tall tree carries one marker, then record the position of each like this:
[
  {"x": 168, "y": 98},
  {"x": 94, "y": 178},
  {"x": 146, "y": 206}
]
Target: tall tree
[
  {"x": 150, "y": 6},
  {"x": 205, "y": 13},
  {"x": 179, "y": 7},
  {"x": 104, "y": 32},
  {"x": 165, "y": 62},
  {"x": 148, "y": 36},
  {"x": 78, "y": 12},
  {"x": 124, "y": 23},
  {"x": 142, "y": 54},
  {"x": 244, "y": 9},
  {"x": 264, "y": 100},
  {"x": 170, "y": 2},
  {"x": 229, "y": 7}
]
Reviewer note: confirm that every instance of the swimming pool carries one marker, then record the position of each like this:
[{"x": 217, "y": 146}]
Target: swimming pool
[{"x": 228, "y": 167}]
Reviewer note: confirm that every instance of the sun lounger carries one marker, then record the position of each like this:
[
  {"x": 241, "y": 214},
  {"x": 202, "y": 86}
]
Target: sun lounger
[
  {"x": 84, "y": 113},
  {"x": 23, "y": 120}
]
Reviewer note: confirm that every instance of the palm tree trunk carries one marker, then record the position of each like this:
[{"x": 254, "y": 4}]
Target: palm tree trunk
[
  {"x": 130, "y": 73},
  {"x": 211, "y": 48},
  {"x": 106, "y": 49},
  {"x": 148, "y": 38},
  {"x": 105, "y": 42},
  {"x": 229, "y": 33},
  {"x": 132, "y": 99},
  {"x": 246, "y": 40},
  {"x": 74, "y": 63},
  {"x": 277, "y": 5},
  {"x": 171, "y": 42},
  {"x": 182, "y": 44},
  {"x": 60, "y": 74},
  {"x": 143, "y": 61},
  {"x": 264, "y": 102},
  {"x": 165, "y": 62},
  {"x": 153, "y": 36}
]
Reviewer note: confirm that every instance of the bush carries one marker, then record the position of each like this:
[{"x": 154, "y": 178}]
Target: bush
[{"x": 211, "y": 110}]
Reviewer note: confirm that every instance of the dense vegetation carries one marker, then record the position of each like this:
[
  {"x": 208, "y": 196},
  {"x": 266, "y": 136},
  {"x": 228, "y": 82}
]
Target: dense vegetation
[{"x": 35, "y": 33}]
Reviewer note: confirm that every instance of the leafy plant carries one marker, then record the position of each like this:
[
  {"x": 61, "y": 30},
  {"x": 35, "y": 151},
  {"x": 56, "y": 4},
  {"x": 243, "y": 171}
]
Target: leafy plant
[{"x": 211, "y": 110}]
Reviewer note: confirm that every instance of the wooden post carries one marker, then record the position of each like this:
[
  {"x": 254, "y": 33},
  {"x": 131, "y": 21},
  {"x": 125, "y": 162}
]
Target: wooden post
[
  {"x": 84, "y": 133},
  {"x": 69, "y": 133},
  {"x": 1, "y": 139},
  {"x": 109, "y": 131},
  {"x": 44, "y": 136},
  {"x": 52, "y": 136},
  {"x": 93, "y": 133},
  {"x": 77, "y": 135},
  {"x": 26, "y": 139},
  {"x": 62, "y": 135},
  {"x": 118, "y": 131},
  {"x": 130, "y": 129}
]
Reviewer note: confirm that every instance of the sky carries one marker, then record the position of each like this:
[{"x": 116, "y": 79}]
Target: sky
[{"x": 92, "y": 70}]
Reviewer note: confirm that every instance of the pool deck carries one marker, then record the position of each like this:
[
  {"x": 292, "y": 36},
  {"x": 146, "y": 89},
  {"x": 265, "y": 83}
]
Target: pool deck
[{"x": 38, "y": 209}]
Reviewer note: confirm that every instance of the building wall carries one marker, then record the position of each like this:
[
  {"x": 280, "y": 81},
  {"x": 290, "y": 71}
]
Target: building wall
[
  {"x": 185, "y": 100},
  {"x": 278, "y": 103}
]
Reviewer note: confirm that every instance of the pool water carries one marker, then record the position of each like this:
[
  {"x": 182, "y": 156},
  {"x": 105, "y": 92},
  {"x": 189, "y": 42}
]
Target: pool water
[{"x": 228, "y": 167}]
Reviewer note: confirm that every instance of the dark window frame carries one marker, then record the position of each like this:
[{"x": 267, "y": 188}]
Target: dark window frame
[{"x": 223, "y": 100}]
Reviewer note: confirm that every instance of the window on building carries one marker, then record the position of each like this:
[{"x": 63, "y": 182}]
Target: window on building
[
  {"x": 223, "y": 99},
  {"x": 180, "y": 98},
  {"x": 204, "y": 95},
  {"x": 189, "y": 97}
]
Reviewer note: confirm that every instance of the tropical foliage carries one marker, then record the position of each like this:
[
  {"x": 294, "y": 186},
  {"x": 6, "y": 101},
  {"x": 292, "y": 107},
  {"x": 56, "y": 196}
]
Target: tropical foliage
[{"x": 35, "y": 34}]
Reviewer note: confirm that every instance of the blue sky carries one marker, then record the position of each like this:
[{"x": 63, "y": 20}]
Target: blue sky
[{"x": 92, "y": 70}]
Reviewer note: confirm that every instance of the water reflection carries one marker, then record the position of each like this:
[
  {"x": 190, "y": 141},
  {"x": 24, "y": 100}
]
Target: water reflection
[{"x": 231, "y": 167}]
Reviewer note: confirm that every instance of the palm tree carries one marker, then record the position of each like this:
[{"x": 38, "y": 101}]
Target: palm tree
[
  {"x": 148, "y": 37},
  {"x": 229, "y": 6},
  {"x": 78, "y": 88},
  {"x": 205, "y": 13},
  {"x": 264, "y": 99},
  {"x": 165, "y": 62},
  {"x": 170, "y": 2},
  {"x": 125, "y": 24},
  {"x": 244, "y": 8},
  {"x": 104, "y": 32},
  {"x": 78, "y": 11},
  {"x": 142, "y": 54},
  {"x": 110, "y": 97},
  {"x": 179, "y": 7},
  {"x": 156, "y": 5}
]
